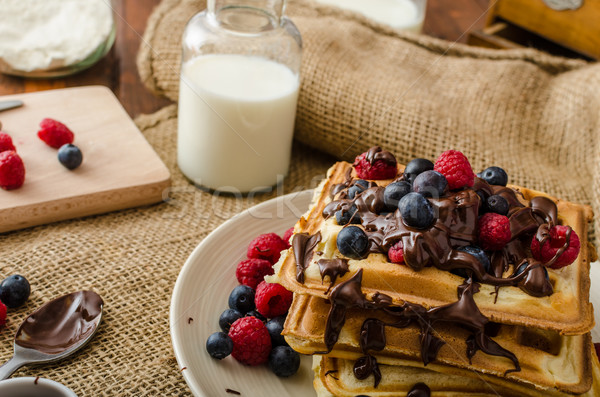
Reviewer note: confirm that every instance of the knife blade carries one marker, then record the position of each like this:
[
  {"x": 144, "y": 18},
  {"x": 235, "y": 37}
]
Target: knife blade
[{"x": 6, "y": 105}]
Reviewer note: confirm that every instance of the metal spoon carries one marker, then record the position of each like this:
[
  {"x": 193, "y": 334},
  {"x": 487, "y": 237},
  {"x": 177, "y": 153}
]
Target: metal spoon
[{"x": 55, "y": 330}]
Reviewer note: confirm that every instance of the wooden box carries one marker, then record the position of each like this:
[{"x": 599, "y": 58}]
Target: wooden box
[{"x": 573, "y": 25}]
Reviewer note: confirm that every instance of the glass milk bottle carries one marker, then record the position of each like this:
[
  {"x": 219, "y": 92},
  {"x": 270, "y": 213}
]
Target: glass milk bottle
[{"x": 238, "y": 94}]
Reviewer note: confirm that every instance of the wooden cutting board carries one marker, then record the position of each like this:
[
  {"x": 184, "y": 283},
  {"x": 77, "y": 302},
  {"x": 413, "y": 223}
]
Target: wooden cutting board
[{"x": 119, "y": 170}]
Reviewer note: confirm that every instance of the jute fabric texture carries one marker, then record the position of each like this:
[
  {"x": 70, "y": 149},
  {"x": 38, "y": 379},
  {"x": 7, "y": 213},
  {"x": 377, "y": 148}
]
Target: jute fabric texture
[
  {"x": 535, "y": 115},
  {"x": 132, "y": 259}
]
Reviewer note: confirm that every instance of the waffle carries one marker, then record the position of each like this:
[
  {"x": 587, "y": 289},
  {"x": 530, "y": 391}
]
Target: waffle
[
  {"x": 334, "y": 377},
  {"x": 566, "y": 311},
  {"x": 551, "y": 363}
]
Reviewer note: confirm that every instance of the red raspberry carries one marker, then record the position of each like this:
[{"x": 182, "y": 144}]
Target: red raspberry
[
  {"x": 287, "y": 235},
  {"x": 272, "y": 299},
  {"x": 6, "y": 143},
  {"x": 251, "y": 341},
  {"x": 494, "y": 231},
  {"x": 250, "y": 272},
  {"x": 372, "y": 165},
  {"x": 2, "y": 314},
  {"x": 12, "y": 170},
  {"x": 456, "y": 168},
  {"x": 396, "y": 253},
  {"x": 558, "y": 236},
  {"x": 597, "y": 347},
  {"x": 55, "y": 133},
  {"x": 267, "y": 246}
]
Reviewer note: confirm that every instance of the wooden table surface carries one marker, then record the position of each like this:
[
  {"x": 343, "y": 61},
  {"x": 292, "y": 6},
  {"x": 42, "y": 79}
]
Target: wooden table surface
[{"x": 447, "y": 19}]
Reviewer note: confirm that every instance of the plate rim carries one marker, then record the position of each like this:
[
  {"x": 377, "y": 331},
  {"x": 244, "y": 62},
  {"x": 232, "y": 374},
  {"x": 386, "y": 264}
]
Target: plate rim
[{"x": 187, "y": 267}]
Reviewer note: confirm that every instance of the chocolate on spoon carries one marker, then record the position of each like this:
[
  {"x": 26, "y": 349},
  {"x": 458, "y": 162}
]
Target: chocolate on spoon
[{"x": 55, "y": 330}]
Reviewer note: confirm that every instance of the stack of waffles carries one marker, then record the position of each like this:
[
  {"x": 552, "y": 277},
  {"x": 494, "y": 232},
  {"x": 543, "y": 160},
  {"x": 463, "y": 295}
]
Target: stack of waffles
[{"x": 438, "y": 323}]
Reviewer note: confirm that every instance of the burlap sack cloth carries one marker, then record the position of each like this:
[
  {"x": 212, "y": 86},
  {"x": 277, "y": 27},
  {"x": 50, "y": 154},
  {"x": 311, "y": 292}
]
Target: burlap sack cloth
[{"x": 535, "y": 115}]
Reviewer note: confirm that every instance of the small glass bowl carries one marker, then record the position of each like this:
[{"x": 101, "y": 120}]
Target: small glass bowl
[{"x": 67, "y": 70}]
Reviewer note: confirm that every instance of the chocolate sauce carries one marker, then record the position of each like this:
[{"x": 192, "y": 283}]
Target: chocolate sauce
[
  {"x": 61, "y": 324},
  {"x": 366, "y": 366},
  {"x": 464, "y": 312},
  {"x": 303, "y": 245},
  {"x": 419, "y": 390},
  {"x": 455, "y": 227},
  {"x": 376, "y": 153},
  {"x": 332, "y": 268}
]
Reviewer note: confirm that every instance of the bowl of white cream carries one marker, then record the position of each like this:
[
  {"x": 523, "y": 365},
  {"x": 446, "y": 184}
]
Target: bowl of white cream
[{"x": 54, "y": 38}]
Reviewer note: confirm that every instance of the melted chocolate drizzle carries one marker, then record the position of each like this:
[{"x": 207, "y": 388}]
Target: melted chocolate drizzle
[
  {"x": 303, "y": 245},
  {"x": 419, "y": 390},
  {"x": 332, "y": 268},
  {"x": 455, "y": 227},
  {"x": 464, "y": 312},
  {"x": 376, "y": 153}
]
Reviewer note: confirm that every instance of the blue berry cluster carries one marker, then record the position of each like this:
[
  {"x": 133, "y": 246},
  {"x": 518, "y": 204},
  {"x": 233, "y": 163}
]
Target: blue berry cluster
[{"x": 283, "y": 360}]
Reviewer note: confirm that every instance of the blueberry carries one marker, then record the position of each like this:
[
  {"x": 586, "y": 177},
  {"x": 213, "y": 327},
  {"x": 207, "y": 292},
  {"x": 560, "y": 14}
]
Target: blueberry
[
  {"x": 354, "y": 190},
  {"x": 242, "y": 299},
  {"x": 394, "y": 192},
  {"x": 479, "y": 254},
  {"x": 229, "y": 317},
  {"x": 344, "y": 216},
  {"x": 522, "y": 268},
  {"x": 415, "y": 167},
  {"x": 497, "y": 204},
  {"x": 430, "y": 184},
  {"x": 494, "y": 176},
  {"x": 353, "y": 242},
  {"x": 14, "y": 291},
  {"x": 362, "y": 182},
  {"x": 70, "y": 156},
  {"x": 284, "y": 361},
  {"x": 275, "y": 326},
  {"x": 416, "y": 211},
  {"x": 219, "y": 345},
  {"x": 254, "y": 313}
]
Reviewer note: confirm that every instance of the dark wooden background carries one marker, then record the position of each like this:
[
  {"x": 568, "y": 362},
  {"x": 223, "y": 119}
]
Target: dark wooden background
[{"x": 447, "y": 19}]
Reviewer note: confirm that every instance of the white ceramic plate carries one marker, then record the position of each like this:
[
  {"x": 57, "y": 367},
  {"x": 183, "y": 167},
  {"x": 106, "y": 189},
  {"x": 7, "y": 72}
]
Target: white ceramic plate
[{"x": 202, "y": 291}]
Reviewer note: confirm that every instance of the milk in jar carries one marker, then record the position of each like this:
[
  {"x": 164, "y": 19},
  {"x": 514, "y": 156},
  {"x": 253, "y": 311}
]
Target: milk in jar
[{"x": 236, "y": 121}]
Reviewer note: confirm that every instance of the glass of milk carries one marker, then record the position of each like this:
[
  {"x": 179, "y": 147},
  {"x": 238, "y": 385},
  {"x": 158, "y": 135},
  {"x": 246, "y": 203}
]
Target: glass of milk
[
  {"x": 398, "y": 14},
  {"x": 238, "y": 93}
]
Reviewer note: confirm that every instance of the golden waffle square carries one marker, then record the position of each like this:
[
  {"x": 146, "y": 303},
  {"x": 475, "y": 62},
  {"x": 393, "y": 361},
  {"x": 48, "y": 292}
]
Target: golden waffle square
[
  {"x": 334, "y": 377},
  {"x": 567, "y": 310},
  {"x": 550, "y": 363}
]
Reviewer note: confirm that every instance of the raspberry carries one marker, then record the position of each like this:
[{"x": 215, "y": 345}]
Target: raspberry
[
  {"x": 251, "y": 341},
  {"x": 55, "y": 133},
  {"x": 287, "y": 235},
  {"x": 2, "y": 314},
  {"x": 396, "y": 253},
  {"x": 272, "y": 299},
  {"x": 250, "y": 272},
  {"x": 267, "y": 246},
  {"x": 12, "y": 170},
  {"x": 375, "y": 164},
  {"x": 597, "y": 348},
  {"x": 494, "y": 231},
  {"x": 6, "y": 143},
  {"x": 456, "y": 168},
  {"x": 558, "y": 236}
]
